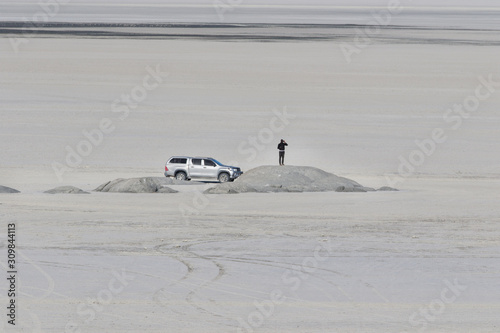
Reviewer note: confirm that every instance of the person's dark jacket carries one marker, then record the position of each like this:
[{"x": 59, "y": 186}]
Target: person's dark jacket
[{"x": 281, "y": 146}]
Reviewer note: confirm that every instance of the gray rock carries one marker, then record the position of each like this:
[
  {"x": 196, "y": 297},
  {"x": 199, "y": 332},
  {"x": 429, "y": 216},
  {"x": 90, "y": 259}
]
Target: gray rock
[
  {"x": 369, "y": 189},
  {"x": 138, "y": 185},
  {"x": 354, "y": 189},
  {"x": 5, "y": 189},
  {"x": 230, "y": 188},
  {"x": 66, "y": 190},
  {"x": 288, "y": 179},
  {"x": 387, "y": 188},
  {"x": 344, "y": 189},
  {"x": 165, "y": 189}
]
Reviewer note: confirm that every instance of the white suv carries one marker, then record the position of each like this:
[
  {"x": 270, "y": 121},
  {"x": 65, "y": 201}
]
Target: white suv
[{"x": 186, "y": 168}]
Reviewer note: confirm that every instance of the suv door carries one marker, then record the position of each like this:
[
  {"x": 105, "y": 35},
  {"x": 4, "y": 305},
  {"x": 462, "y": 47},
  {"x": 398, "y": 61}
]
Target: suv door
[
  {"x": 196, "y": 168},
  {"x": 176, "y": 163},
  {"x": 210, "y": 169}
]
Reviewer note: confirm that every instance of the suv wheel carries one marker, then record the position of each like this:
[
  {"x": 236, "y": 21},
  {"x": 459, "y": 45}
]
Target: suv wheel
[
  {"x": 181, "y": 175},
  {"x": 224, "y": 177}
]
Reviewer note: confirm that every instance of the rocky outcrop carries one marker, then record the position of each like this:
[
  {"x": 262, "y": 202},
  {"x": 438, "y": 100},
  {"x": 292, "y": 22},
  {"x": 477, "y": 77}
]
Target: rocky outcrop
[
  {"x": 139, "y": 185},
  {"x": 66, "y": 190},
  {"x": 288, "y": 179},
  {"x": 5, "y": 189}
]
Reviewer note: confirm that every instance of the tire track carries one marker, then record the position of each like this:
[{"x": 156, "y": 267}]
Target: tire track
[{"x": 182, "y": 253}]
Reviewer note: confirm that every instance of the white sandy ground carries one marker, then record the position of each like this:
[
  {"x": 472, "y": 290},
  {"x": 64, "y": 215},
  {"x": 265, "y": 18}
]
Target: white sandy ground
[
  {"x": 382, "y": 256},
  {"x": 390, "y": 254}
]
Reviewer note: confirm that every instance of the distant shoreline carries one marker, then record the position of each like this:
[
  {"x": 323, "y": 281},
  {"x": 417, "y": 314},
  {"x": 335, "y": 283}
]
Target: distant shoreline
[{"x": 251, "y": 32}]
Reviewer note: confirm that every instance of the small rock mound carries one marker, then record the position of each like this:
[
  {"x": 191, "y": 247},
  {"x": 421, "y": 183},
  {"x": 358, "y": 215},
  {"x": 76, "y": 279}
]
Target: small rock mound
[
  {"x": 343, "y": 188},
  {"x": 387, "y": 188},
  {"x": 288, "y": 179},
  {"x": 5, "y": 189},
  {"x": 165, "y": 189},
  {"x": 66, "y": 190},
  {"x": 138, "y": 185}
]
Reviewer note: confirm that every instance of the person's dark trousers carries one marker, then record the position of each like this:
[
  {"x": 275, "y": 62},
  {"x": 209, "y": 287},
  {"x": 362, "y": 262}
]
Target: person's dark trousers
[{"x": 282, "y": 158}]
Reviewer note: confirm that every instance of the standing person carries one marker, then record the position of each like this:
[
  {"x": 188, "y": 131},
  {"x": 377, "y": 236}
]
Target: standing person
[{"x": 281, "y": 148}]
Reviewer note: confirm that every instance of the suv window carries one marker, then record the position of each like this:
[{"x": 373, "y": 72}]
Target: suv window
[
  {"x": 197, "y": 161},
  {"x": 209, "y": 163},
  {"x": 178, "y": 161}
]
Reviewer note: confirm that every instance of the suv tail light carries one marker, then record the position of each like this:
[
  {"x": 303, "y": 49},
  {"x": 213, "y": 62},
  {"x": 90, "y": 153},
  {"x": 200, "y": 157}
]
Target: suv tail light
[{"x": 166, "y": 169}]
